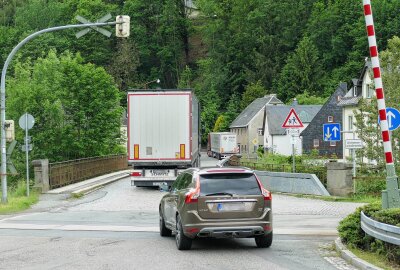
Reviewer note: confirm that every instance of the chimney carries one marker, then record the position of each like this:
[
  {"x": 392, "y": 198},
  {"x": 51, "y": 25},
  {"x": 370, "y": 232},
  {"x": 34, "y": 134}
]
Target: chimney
[{"x": 295, "y": 103}]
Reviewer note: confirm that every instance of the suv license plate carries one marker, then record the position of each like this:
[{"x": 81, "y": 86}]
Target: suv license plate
[{"x": 222, "y": 207}]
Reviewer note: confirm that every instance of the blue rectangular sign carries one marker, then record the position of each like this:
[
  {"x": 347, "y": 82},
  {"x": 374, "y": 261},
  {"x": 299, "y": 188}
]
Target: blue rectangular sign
[{"x": 331, "y": 132}]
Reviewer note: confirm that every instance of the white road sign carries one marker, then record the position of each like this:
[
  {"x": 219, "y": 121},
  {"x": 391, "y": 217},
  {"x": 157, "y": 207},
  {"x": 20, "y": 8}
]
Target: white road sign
[{"x": 353, "y": 144}]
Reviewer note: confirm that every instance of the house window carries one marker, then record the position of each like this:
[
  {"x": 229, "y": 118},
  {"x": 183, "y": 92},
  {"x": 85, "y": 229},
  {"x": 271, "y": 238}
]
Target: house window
[
  {"x": 332, "y": 143},
  {"x": 350, "y": 123},
  {"x": 240, "y": 150},
  {"x": 330, "y": 119},
  {"x": 369, "y": 91},
  {"x": 260, "y": 132},
  {"x": 354, "y": 90},
  {"x": 316, "y": 143}
]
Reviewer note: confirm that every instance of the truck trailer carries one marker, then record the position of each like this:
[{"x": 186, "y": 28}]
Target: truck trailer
[
  {"x": 222, "y": 144},
  {"x": 163, "y": 135}
]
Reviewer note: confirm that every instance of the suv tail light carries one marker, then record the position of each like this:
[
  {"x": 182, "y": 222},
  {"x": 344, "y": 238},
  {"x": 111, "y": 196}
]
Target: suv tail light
[
  {"x": 266, "y": 194},
  {"x": 193, "y": 195}
]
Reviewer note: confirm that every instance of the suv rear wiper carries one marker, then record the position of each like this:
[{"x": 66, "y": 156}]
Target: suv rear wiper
[{"x": 219, "y": 193}]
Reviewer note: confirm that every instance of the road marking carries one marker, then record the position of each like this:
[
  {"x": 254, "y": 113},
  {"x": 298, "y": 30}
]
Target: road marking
[{"x": 115, "y": 228}]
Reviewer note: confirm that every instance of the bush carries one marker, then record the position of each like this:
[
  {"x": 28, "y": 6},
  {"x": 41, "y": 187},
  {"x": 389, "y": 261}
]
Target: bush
[
  {"x": 351, "y": 233},
  {"x": 370, "y": 185}
]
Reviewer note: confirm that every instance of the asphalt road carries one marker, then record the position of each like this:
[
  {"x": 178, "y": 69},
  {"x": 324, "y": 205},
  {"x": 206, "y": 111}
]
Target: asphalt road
[{"x": 116, "y": 227}]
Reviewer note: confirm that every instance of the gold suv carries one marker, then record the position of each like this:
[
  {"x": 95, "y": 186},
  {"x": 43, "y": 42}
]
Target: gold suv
[{"x": 216, "y": 202}]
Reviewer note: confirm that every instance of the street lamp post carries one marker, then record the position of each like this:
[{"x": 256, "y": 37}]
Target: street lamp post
[{"x": 147, "y": 83}]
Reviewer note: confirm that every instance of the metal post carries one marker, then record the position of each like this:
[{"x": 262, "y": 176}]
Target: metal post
[
  {"x": 354, "y": 157},
  {"x": 3, "y": 96},
  {"x": 293, "y": 156},
  {"x": 390, "y": 196},
  {"x": 26, "y": 154},
  {"x": 354, "y": 161}
]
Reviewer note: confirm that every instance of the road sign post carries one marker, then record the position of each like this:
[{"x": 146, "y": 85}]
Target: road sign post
[
  {"x": 293, "y": 123},
  {"x": 390, "y": 196},
  {"x": 26, "y": 122}
]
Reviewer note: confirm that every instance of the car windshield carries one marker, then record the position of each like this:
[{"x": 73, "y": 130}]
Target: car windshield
[{"x": 233, "y": 183}]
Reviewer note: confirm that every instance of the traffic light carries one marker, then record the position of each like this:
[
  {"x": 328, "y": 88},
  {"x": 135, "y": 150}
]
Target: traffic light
[{"x": 122, "y": 29}]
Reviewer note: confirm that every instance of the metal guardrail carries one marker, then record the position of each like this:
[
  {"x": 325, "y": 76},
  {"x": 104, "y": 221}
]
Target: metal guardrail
[
  {"x": 73, "y": 171},
  {"x": 385, "y": 232}
]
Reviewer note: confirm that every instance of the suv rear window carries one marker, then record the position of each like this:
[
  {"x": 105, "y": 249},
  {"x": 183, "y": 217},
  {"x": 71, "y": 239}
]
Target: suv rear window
[{"x": 233, "y": 183}]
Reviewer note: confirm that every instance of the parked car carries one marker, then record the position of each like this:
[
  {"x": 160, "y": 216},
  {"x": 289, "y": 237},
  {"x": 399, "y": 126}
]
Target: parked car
[{"x": 217, "y": 203}]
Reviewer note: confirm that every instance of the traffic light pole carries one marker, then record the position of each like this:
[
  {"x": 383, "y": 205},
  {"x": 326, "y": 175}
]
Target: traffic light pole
[{"x": 3, "y": 94}]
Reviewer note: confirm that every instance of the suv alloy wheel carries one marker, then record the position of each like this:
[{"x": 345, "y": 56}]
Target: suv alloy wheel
[{"x": 182, "y": 242}]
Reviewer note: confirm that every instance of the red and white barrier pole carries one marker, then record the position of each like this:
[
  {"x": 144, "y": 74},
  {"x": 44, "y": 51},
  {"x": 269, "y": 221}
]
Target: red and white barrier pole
[{"x": 391, "y": 196}]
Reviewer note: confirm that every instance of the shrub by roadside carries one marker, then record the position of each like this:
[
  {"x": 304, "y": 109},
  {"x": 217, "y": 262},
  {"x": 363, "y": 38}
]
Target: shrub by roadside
[{"x": 351, "y": 233}]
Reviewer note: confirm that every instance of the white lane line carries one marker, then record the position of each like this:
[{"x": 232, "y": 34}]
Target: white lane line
[{"x": 115, "y": 228}]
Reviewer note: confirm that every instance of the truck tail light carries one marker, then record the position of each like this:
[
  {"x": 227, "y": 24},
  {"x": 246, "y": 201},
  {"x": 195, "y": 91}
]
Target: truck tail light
[
  {"x": 266, "y": 194},
  {"x": 193, "y": 195},
  {"x": 136, "y": 174}
]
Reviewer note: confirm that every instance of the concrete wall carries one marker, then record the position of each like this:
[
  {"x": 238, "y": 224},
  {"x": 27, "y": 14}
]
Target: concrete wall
[
  {"x": 339, "y": 178},
  {"x": 298, "y": 183}
]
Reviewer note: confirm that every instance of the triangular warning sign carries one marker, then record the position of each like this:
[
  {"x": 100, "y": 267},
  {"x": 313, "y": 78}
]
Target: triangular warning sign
[{"x": 292, "y": 120}]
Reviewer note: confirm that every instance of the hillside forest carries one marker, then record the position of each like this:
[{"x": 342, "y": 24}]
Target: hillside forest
[{"x": 230, "y": 53}]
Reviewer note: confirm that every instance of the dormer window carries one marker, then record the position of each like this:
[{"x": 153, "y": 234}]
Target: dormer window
[{"x": 355, "y": 91}]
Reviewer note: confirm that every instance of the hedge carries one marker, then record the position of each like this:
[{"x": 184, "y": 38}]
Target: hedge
[{"x": 351, "y": 233}]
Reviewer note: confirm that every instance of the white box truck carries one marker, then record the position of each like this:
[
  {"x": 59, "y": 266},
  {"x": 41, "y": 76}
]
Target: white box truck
[
  {"x": 163, "y": 135},
  {"x": 222, "y": 144}
]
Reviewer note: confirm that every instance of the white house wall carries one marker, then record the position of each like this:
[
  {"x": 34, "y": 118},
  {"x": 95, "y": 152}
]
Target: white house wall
[
  {"x": 346, "y": 135},
  {"x": 281, "y": 144}
]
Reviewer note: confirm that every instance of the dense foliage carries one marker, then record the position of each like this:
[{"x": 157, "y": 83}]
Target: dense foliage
[
  {"x": 351, "y": 233},
  {"x": 75, "y": 106}
]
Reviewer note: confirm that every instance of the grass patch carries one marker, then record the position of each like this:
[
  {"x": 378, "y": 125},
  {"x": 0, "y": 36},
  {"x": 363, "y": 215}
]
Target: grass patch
[
  {"x": 17, "y": 200},
  {"x": 354, "y": 198},
  {"x": 77, "y": 195},
  {"x": 375, "y": 259}
]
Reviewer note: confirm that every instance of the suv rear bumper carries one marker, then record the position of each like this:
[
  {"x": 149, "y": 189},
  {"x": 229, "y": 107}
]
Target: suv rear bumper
[
  {"x": 195, "y": 226},
  {"x": 231, "y": 232}
]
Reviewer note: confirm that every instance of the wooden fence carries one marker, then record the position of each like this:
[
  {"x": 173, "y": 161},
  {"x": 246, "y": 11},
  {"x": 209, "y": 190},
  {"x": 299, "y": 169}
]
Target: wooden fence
[{"x": 73, "y": 171}]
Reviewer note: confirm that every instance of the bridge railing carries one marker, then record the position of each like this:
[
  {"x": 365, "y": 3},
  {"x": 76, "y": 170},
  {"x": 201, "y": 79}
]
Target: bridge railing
[{"x": 73, "y": 171}]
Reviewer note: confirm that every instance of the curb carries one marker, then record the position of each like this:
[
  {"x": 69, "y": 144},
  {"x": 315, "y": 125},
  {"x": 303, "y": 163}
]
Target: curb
[
  {"x": 87, "y": 190},
  {"x": 352, "y": 259}
]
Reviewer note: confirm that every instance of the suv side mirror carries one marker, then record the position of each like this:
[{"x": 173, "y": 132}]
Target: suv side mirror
[{"x": 164, "y": 187}]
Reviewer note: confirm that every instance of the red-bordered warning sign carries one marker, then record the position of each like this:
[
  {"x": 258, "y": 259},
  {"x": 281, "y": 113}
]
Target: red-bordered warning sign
[{"x": 292, "y": 120}]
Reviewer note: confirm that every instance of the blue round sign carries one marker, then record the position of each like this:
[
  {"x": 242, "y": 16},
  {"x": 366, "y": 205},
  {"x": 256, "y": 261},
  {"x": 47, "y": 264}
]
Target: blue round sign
[{"x": 393, "y": 118}]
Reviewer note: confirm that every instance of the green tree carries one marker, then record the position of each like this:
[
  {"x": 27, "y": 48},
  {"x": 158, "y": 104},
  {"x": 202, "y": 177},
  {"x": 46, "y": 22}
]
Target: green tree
[
  {"x": 307, "y": 99},
  {"x": 253, "y": 91},
  {"x": 125, "y": 64},
  {"x": 75, "y": 105},
  {"x": 366, "y": 118},
  {"x": 302, "y": 72}
]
